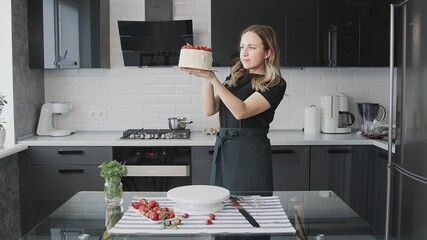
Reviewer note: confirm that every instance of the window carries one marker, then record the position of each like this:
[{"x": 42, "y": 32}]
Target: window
[{"x": 6, "y": 79}]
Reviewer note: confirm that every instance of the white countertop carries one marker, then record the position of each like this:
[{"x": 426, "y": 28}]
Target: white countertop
[
  {"x": 277, "y": 137},
  {"x": 12, "y": 149},
  {"x": 198, "y": 138}
]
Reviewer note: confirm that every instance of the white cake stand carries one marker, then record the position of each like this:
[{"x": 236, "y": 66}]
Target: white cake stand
[{"x": 198, "y": 199}]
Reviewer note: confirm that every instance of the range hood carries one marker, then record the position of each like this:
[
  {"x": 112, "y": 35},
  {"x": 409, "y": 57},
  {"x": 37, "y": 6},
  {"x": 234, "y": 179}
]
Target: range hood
[{"x": 154, "y": 43}]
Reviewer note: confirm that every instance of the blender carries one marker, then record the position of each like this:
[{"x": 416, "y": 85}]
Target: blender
[{"x": 48, "y": 119}]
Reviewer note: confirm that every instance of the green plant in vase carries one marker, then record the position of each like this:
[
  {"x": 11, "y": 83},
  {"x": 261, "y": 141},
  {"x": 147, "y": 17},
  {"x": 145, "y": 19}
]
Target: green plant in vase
[{"x": 113, "y": 172}]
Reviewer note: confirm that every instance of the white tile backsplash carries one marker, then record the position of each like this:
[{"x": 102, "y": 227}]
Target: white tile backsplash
[{"x": 146, "y": 97}]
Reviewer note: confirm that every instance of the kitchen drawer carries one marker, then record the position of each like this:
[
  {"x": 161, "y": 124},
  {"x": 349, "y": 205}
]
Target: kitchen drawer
[
  {"x": 69, "y": 155},
  {"x": 60, "y": 182},
  {"x": 49, "y": 176}
]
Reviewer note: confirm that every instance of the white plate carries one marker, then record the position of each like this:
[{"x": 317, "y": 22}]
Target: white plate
[{"x": 198, "y": 199}]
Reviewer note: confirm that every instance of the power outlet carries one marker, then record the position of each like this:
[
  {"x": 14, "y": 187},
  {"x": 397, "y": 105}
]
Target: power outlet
[{"x": 98, "y": 115}]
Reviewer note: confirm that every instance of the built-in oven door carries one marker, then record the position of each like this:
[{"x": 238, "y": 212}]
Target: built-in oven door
[
  {"x": 155, "y": 168},
  {"x": 156, "y": 177}
]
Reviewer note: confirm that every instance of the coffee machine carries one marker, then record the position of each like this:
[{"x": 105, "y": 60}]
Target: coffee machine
[
  {"x": 334, "y": 114},
  {"x": 48, "y": 119}
]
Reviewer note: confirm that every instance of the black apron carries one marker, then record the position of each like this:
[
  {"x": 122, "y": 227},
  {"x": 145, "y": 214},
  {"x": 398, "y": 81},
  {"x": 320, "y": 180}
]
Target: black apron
[{"x": 242, "y": 160}]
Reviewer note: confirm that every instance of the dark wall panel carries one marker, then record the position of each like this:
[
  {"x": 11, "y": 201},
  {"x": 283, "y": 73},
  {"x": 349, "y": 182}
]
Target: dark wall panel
[
  {"x": 28, "y": 84},
  {"x": 10, "y": 226}
]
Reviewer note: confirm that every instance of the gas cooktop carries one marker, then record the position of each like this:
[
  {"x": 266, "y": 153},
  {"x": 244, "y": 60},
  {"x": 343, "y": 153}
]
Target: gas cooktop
[{"x": 142, "y": 134}]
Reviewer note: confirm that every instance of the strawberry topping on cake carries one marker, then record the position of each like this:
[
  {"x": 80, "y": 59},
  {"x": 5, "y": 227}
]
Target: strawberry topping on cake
[{"x": 196, "y": 47}]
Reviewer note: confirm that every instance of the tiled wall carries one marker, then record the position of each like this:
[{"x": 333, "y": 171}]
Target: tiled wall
[{"x": 145, "y": 97}]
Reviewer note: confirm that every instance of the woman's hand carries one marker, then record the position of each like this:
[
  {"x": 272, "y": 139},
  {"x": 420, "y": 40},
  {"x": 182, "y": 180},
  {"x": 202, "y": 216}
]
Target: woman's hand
[
  {"x": 206, "y": 74},
  {"x": 210, "y": 100}
]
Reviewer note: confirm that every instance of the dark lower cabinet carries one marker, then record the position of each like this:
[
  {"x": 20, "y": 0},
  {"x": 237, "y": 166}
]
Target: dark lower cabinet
[
  {"x": 51, "y": 175},
  {"x": 377, "y": 192},
  {"x": 357, "y": 174},
  {"x": 291, "y": 168},
  {"x": 345, "y": 171},
  {"x": 201, "y": 164}
]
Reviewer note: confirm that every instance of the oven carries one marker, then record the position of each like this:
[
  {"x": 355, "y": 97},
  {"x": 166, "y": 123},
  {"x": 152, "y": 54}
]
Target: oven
[{"x": 156, "y": 168}]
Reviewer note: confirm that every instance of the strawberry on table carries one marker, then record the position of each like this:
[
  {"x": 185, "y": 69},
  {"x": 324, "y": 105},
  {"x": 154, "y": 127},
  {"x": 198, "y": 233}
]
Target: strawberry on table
[
  {"x": 136, "y": 205},
  {"x": 152, "y": 203},
  {"x": 154, "y": 216}
]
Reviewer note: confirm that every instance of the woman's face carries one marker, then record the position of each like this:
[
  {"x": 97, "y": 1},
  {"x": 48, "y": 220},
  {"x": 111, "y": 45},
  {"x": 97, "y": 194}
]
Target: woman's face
[{"x": 252, "y": 53}]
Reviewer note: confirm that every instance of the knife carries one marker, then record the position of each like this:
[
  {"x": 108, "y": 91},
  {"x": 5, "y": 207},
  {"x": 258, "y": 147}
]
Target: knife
[{"x": 245, "y": 213}]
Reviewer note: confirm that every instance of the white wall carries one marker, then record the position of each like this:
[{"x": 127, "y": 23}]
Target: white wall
[{"x": 146, "y": 97}]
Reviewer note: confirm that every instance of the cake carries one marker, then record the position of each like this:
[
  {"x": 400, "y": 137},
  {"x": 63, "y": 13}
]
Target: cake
[{"x": 198, "y": 57}]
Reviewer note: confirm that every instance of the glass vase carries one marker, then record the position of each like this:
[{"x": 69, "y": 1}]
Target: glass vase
[
  {"x": 113, "y": 213},
  {"x": 113, "y": 190}
]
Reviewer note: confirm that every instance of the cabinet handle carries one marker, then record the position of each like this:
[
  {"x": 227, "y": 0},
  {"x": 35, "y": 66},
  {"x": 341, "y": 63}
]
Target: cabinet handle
[
  {"x": 211, "y": 152},
  {"x": 382, "y": 155},
  {"x": 68, "y": 152},
  {"x": 339, "y": 151},
  {"x": 79, "y": 170},
  {"x": 288, "y": 151}
]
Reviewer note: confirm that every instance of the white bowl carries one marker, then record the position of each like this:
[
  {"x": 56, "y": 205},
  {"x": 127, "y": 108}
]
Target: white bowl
[{"x": 198, "y": 199}]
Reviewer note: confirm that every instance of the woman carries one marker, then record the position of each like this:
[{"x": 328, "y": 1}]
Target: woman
[{"x": 246, "y": 103}]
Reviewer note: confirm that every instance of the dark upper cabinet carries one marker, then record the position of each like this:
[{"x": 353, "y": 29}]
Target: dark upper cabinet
[
  {"x": 329, "y": 33},
  {"x": 229, "y": 18},
  {"x": 354, "y": 33},
  {"x": 69, "y": 34}
]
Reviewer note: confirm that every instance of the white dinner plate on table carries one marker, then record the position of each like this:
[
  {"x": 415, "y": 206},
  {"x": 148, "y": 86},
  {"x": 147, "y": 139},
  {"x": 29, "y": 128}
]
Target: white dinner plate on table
[{"x": 198, "y": 199}]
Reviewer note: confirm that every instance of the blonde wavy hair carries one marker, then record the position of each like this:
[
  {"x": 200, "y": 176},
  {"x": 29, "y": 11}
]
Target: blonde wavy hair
[{"x": 272, "y": 75}]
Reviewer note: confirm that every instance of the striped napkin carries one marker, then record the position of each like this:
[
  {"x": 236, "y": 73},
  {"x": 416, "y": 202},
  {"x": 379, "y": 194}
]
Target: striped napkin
[{"x": 270, "y": 216}]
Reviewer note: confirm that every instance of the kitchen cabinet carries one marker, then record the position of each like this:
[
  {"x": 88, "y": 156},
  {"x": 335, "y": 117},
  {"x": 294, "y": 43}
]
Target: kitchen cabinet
[
  {"x": 201, "y": 165},
  {"x": 229, "y": 18},
  {"x": 291, "y": 168},
  {"x": 69, "y": 34},
  {"x": 343, "y": 170},
  {"x": 354, "y": 33},
  {"x": 377, "y": 192},
  {"x": 51, "y": 175},
  {"x": 310, "y": 33}
]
